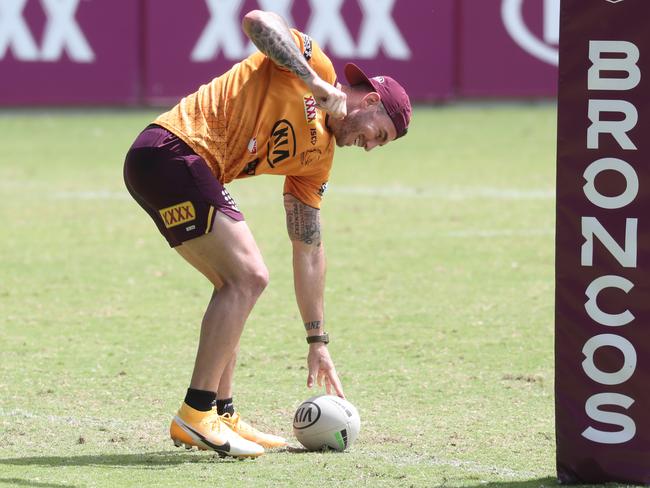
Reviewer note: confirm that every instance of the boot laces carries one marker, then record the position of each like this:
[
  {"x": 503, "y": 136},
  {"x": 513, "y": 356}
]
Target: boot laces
[{"x": 213, "y": 421}]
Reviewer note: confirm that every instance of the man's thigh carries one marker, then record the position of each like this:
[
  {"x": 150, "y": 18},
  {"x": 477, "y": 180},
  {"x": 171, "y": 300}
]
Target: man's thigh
[{"x": 227, "y": 253}]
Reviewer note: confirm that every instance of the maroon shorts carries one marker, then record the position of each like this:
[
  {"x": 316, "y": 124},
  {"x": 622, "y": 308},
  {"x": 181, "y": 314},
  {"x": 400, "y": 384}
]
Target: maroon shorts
[{"x": 175, "y": 186}]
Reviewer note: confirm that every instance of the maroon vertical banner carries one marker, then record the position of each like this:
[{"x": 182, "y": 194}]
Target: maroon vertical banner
[
  {"x": 189, "y": 43},
  {"x": 69, "y": 51},
  {"x": 602, "y": 312}
]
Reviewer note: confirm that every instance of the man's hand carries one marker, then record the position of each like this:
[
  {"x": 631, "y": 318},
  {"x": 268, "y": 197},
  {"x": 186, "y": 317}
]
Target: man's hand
[
  {"x": 321, "y": 368},
  {"x": 271, "y": 34},
  {"x": 329, "y": 98}
]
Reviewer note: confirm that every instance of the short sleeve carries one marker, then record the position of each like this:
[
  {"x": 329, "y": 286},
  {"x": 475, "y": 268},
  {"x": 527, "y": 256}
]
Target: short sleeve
[
  {"x": 308, "y": 189},
  {"x": 314, "y": 55}
]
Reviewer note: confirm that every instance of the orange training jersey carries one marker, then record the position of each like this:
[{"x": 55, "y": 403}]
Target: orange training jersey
[{"x": 259, "y": 118}]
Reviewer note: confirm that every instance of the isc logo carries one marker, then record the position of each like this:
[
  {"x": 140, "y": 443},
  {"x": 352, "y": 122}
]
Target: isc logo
[
  {"x": 326, "y": 25},
  {"x": 545, "y": 48},
  {"x": 61, "y": 32}
]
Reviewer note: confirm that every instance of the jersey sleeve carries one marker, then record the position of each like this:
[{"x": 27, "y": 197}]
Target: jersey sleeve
[
  {"x": 315, "y": 56},
  {"x": 309, "y": 189}
]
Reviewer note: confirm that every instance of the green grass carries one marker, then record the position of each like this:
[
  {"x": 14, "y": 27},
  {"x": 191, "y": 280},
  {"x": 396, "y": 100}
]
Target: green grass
[{"x": 439, "y": 305}]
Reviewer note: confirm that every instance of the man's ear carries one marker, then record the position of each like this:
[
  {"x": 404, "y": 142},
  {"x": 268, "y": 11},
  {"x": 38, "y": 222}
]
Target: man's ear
[{"x": 370, "y": 99}]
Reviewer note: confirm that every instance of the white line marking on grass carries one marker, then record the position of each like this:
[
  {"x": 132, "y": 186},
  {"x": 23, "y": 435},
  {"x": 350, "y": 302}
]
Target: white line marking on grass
[
  {"x": 475, "y": 467},
  {"x": 115, "y": 424},
  {"x": 449, "y": 194},
  {"x": 467, "y": 466},
  {"x": 453, "y": 193},
  {"x": 91, "y": 195},
  {"x": 500, "y": 233}
]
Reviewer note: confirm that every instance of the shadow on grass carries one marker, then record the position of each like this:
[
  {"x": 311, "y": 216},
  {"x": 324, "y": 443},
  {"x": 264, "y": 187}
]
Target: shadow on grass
[
  {"x": 533, "y": 483},
  {"x": 35, "y": 484},
  {"x": 153, "y": 460},
  {"x": 540, "y": 483}
]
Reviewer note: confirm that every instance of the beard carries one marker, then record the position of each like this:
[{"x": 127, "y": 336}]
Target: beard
[{"x": 349, "y": 128}]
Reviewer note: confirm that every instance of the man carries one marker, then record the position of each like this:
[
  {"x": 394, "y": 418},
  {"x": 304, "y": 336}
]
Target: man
[{"x": 260, "y": 117}]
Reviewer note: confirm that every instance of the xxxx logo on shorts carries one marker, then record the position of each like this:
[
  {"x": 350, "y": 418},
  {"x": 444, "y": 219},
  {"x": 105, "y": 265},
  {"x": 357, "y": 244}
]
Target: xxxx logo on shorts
[{"x": 178, "y": 214}]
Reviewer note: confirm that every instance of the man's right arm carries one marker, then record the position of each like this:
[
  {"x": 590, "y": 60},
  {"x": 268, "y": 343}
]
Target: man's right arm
[{"x": 271, "y": 34}]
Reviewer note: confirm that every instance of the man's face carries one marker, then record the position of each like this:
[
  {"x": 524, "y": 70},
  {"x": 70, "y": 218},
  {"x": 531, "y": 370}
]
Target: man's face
[{"x": 366, "y": 125}]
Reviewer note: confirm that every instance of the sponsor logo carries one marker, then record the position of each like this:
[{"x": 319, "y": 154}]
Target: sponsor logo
[
  {"x": 307, "y": 42},
  {"x": 282, "y": 143},
  {"x": 322, "y": 189},
  {"x": 313, "y": 136},
  {"x": 544, "y": 48},
  {"x": 378, "y": 33},
  {"x": 307, "y": 414},
  {"x": 250, "y": 168},
  {"x": 252, "y": 145},
  {"x": 309, "y": 156},
  {"x": 379, "y": 79},
  {"x": 178, "y": 214},
  {"x": 310, "y": 108},
  {"x": 62, "y": 33},
  {"x": 197, "y": 436}
]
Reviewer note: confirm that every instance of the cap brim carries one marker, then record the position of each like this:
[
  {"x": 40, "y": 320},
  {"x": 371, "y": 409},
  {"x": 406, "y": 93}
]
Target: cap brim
[{"x": 355, "y": 76}]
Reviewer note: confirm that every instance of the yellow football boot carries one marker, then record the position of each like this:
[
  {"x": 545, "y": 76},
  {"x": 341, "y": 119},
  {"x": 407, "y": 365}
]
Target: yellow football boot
[
  {"x": 208, "y": 431},
  {"x": 246, "y": 431}
]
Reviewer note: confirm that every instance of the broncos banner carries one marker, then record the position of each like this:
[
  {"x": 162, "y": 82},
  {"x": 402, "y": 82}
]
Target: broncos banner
[{"x": 602, "y": 312}]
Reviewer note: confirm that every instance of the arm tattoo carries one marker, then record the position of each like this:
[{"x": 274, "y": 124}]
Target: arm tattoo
[
  {"x": 303, "y": 222},
  {"x": 312, "y": 325},
  {"x": 276, "y": 41}
]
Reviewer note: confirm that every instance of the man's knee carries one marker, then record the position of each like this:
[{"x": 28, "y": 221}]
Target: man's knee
[
  {"x": 252, "y": 280},
  {"x": 259, "y": 278}
]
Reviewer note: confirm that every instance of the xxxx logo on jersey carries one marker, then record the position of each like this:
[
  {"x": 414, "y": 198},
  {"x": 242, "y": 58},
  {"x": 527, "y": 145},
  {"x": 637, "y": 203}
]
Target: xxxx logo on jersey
[
  {"x": 178, "y": 214},
  {"x": 310, "y": 108}
]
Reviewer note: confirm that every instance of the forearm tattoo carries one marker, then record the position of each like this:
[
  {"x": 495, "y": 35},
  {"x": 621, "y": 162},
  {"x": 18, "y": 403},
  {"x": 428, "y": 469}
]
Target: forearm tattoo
[
  {"x": 303, "y": 222},
  {"x": 276, "y": 41},
  {"x": 312, "y": 325}
]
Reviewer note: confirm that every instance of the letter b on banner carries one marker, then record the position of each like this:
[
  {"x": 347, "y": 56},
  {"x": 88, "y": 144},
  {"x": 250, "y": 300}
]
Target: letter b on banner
[{"x": 602, "y": 305}]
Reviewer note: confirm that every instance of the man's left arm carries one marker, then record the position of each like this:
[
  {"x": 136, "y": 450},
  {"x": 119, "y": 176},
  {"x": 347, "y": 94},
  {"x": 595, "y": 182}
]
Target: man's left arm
[{"x": 303, "y": 226}]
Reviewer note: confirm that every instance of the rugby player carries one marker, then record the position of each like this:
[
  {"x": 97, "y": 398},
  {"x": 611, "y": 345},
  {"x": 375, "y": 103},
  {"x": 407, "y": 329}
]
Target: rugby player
[{"x": 280, "y": 111}]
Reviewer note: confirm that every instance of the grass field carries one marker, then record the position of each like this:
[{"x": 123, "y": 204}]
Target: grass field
[{"x": 439, "y": 305}]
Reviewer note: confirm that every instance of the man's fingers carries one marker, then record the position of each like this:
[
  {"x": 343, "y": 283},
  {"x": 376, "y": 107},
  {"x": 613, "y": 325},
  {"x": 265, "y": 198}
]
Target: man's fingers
[
  {"x": 343, "y": 109},
  {"x": 334, "y": 379},
  {"x": 335, "y": 105},
  {"x": 339, "y": 108},
  {"x": 310, "y": 376}
]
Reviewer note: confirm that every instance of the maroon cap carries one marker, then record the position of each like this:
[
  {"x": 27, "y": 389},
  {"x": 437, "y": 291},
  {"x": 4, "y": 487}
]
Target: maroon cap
[{"x": 393, "y": 96}]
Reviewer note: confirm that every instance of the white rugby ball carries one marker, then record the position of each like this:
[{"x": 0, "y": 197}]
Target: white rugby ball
[{"x": 326, "y": 421}]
